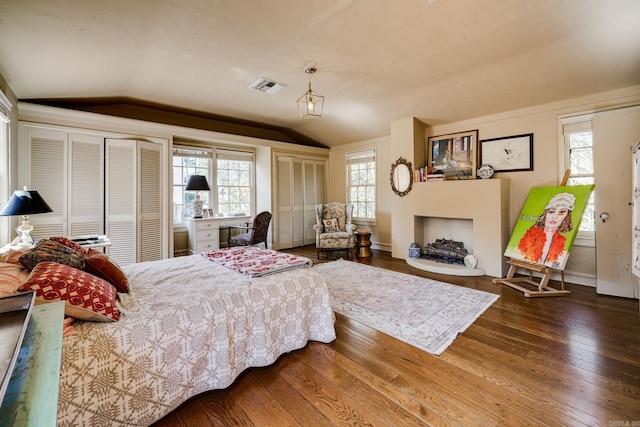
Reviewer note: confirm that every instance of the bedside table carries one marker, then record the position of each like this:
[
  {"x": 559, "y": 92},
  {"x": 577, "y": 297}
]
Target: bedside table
[{"x": 203, "y": 234}]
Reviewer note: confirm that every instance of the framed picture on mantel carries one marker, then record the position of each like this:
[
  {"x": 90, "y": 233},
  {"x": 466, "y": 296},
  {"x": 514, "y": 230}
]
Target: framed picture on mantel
[
  {"x": 453, "y": 155},
  {"x": 508, "y": 154}
]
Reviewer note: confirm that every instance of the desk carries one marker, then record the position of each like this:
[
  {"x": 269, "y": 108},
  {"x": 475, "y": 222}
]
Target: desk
[{"x": 363, "y": 243}]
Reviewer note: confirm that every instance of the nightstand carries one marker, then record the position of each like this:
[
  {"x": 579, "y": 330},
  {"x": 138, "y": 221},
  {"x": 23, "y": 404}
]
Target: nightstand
[{"x": 203, "y": 234}]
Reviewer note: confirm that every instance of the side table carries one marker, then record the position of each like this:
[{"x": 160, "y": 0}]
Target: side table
[{"x": 363, "y": 243}]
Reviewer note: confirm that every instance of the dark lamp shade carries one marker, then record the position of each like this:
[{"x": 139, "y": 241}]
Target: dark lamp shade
[
  {"x": 197, "y": 183},
  {"x": 24, "y": 202}
]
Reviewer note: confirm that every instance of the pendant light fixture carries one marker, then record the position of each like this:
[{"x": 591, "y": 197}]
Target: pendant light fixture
[{"x": 310, "y": 104}]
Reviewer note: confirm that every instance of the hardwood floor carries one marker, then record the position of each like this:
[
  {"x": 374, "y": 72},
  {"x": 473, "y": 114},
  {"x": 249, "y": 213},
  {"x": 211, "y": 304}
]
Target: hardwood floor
[{"x": 572, "y": 360}]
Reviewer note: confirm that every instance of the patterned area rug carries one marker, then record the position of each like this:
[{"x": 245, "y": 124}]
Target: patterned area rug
[{"x": 422, "y": 312}]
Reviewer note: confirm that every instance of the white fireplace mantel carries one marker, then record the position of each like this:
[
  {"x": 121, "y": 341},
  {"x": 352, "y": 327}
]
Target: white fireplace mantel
[{"x": 484, "y": 201}]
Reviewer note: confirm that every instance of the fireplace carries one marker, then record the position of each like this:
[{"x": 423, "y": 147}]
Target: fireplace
[{"x": 475, "y": 212}]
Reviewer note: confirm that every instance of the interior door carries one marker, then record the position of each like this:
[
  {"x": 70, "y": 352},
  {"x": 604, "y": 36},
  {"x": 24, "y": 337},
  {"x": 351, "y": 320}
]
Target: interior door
[{"x": 615, "y": 133}]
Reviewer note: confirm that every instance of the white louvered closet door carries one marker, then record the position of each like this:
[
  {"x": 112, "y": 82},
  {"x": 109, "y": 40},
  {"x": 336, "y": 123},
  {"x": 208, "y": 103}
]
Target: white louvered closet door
[
  {"x": 67, "y": 171},
  {"x": 284, "y": 204},
  {"x": 121, "y": 200},
  {"x": 150, "y": 236},
  {"x": 86, "y": 185},
  {"x": 298, "y": 204},
  {"x": 43, "y": 168},
  {"x": 314, "y": 193}
]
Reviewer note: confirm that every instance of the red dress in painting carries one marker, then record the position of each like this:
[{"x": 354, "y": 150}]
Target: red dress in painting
[{"x": 532, "y": 244}]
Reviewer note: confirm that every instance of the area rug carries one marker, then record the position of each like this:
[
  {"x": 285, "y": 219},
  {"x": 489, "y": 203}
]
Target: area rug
[{"x": 425, "y": 313}]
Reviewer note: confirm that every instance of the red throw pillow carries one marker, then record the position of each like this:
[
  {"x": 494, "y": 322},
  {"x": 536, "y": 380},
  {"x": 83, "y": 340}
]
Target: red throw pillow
[
  {"x": 86, "y": 296},
  {"x": 99, "y": 264},
  {"x": 70, "y": 244}
]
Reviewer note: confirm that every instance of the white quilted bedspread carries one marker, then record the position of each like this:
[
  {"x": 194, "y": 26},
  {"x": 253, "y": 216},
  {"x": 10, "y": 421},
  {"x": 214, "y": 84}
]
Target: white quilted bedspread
[{"x": 187, "y": 326}]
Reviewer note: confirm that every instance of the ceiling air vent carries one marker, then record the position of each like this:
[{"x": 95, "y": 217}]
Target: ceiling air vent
[{"x": 268, "y": 86}]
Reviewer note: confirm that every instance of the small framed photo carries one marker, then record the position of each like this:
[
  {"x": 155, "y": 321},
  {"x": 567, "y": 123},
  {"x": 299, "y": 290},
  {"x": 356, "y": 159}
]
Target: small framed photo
[
  {"x": 205, "y": 213},
  {"x": 453, "y": 155},
  {"x": 210, "y": 212},
  {"x": 508, "y": 154}
]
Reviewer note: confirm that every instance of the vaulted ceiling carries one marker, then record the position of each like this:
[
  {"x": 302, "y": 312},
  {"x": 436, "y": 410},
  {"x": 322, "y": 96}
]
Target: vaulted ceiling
[{"x": 378, "y": 60}]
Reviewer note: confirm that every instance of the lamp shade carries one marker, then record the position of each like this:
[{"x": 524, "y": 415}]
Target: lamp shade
[
  {"x": 197, "y": 183},
  {"x": 24, "y": 202}
]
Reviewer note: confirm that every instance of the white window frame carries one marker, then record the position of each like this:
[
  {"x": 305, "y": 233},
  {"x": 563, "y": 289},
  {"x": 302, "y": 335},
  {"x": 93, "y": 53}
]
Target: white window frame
[
  {"x": 186, "y": 151},
  {"x": 5, "y": 165},
  {"x": 240, "y": 155},
  {"x": 359, "y": 157},
  {"x": 569, "y": 125}
]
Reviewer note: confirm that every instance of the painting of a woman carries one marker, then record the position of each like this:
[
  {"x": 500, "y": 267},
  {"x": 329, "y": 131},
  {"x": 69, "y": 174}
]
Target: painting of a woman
[
  {"x": 548, "y": 224},
  {"x": 544, "y": 242}
]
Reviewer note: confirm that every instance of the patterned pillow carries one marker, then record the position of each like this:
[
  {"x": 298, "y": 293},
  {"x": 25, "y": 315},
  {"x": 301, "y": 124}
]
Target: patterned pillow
[
  {"x": 331, "y": 225},
  {"x": 99, "y": 264},
  {"x": 48, "y": 250},
  {"x": 65, "y": 241},
  {"x": 11, "y": 276},
  {"x": 86, "y": 296}
]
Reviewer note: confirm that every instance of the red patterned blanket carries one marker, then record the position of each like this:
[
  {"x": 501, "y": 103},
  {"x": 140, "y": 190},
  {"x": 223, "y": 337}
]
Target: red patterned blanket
[{"x": 255, "y": 262}]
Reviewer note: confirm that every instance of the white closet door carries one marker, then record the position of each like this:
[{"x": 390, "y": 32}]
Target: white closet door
[
  {"x": 43, "y": 168},
  {"x": 150, "y": 236},
  {"x": 284, "y": 204},
  {"x": 298, "y": 203},
  {"x": 309, "y": 202},
  {"x": 321, "y": 182},
  {"x": 86, "y": 185},
  {"x": 121, "y": 203}
]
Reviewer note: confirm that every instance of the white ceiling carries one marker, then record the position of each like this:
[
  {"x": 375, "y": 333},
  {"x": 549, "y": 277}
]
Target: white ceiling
[{"x": 378, "y": 60}]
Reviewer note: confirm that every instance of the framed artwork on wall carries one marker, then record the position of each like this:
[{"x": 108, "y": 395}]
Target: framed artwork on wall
[
  {"x": 453, "y": 155},
  {"x": 508, "y": 154}
]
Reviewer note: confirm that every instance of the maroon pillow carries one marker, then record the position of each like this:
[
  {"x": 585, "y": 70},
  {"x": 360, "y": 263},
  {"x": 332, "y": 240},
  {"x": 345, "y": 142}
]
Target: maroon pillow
[
  {"x": 70, "y": 244},
  {"x": 99, "y": 264}
]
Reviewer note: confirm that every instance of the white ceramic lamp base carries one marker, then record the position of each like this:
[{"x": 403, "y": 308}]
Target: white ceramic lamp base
[{"x": 196, "y": 207}]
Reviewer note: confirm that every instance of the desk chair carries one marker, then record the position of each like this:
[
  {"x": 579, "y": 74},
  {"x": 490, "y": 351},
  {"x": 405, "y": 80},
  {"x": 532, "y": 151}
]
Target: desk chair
[{"x": 257, "y": 233}]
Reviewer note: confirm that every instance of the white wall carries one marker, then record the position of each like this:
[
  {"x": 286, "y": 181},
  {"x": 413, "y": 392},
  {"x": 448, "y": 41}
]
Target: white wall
[
  {"x": 381, "y": 230},
  {"x": 542, "y": 121}
]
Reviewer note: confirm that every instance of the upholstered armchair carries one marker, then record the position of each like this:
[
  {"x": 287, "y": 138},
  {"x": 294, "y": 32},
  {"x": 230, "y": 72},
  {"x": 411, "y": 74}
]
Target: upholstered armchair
[{"x": 334, "y": 230}]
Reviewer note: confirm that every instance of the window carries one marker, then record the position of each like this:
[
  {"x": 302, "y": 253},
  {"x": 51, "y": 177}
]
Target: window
[
  {"x": 361, "y": 184},
  {"x": 234, "y": 182},
  {"x": 578, "y": 146},
  {"x": 189, "y": 161},
  {"x": 5, "y": 108}
]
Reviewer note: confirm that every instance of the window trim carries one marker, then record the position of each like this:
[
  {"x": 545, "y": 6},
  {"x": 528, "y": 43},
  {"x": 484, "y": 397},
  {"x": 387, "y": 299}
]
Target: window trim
[
  {"x": 226, "y": 153},
  {"x": 359, "y": 156},
  {"x": 567, "y": 126},
  {"x": 185, "y": 147},
  {"x": 5, "y": 166}
]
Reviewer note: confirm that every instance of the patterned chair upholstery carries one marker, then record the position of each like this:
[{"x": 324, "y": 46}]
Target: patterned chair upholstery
[
  {"x": 331, "y": 236},
  {"x": 255, "y": 234}
]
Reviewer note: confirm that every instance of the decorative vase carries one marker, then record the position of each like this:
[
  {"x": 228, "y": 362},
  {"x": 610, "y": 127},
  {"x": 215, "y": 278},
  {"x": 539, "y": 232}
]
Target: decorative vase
[
  {"x": 470, "y": 261},
  {"x": 414, "y": 250}
]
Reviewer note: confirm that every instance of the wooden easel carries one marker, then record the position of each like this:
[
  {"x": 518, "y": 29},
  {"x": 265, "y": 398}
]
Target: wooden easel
[{"x": 543, "y": 289}]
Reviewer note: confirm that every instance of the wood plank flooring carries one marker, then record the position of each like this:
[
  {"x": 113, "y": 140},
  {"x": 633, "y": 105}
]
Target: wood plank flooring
[{"x": 562, "y": 361}]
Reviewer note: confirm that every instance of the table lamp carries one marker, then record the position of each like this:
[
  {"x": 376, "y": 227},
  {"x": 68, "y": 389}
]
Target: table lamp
[
  {"x": 197, "y": 183},
  {"x": 25, "y": 202}
]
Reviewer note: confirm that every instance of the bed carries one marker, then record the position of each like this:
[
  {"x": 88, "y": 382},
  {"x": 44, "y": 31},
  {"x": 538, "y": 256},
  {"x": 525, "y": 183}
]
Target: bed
[{"x": 187, "y": 325}]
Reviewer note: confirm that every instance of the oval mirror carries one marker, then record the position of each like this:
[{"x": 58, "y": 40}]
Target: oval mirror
[{"x": 401, "y": 177}]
